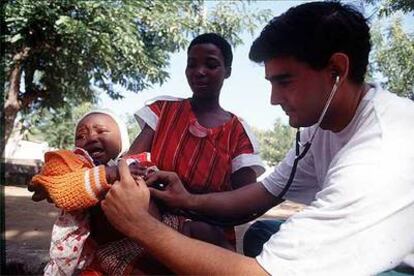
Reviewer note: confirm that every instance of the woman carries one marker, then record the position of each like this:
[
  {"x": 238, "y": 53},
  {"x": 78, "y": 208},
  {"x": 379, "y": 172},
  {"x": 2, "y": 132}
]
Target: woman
[{"x": 208, "y": 147}]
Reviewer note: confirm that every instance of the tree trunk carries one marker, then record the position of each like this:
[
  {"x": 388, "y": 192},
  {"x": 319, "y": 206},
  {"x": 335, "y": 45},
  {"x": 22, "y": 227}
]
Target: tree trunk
[{"x": 12, "y": 105}]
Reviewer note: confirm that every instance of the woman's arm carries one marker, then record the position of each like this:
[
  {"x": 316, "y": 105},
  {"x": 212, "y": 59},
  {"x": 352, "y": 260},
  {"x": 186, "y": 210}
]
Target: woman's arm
[
  {"x": 243, "y": 177},
  {"x": 143, "y": 142}
]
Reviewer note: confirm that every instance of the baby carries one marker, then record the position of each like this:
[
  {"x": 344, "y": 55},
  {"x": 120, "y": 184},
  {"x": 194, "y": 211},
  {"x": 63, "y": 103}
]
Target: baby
[{"x": 76, "y": 181}]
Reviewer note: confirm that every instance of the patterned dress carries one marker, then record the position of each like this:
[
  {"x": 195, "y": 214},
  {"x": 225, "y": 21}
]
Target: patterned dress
[{"x": 203, "y": 158}]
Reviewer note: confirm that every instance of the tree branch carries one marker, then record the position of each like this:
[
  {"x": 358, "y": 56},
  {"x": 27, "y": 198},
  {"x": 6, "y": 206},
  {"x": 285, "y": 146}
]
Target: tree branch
[{"x": 30, "y": 96}]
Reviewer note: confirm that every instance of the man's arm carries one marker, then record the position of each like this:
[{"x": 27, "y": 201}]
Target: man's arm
[
  {"x": 184, "y": 255},
  {"x": 126, "y": 207},
  {"x": 250, "y": 200}
]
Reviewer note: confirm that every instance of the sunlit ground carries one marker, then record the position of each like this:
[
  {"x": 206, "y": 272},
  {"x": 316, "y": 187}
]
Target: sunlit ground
[{"x": 29, "y": 225}]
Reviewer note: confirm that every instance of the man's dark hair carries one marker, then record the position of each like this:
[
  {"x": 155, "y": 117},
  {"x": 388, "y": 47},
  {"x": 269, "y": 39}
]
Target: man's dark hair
[
  {"x": 218, "y": 41},
  {"x": 312, "y": 32}
]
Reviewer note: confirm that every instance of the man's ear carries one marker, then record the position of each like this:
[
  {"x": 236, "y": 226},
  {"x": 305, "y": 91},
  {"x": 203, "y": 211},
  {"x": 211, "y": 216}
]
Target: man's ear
[
  {"x": 339, "y": 65},
  {"x": 228, "y": 72}
]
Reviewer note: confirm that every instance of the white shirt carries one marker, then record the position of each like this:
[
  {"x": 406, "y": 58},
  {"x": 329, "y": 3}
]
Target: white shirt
[{"x": 359, "y": 183}]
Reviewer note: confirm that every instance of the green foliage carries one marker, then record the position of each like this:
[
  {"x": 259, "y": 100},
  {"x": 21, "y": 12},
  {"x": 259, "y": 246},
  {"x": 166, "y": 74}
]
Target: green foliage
[
  {"x": 387, "y": 7},
  {"x": 57, "y": 127},
  {"x": 393, "y": 56},
  {"x": 275, "y": 143},
  {"x": 65, "y": 48},
  {"x": 71, "y": 43},
  {"x": 133, "y": 127}
]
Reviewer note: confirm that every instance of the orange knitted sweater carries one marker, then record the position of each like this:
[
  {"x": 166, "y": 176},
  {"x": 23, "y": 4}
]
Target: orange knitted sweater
[{"x": 71, "y": 179}]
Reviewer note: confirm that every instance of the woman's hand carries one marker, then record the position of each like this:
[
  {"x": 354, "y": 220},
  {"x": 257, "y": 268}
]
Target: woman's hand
[
  {"x": 126, "y": 202},
  {"x": 172, "y": 193}
]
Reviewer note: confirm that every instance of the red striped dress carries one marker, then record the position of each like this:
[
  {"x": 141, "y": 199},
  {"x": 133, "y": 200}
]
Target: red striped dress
[{"x": 203, "y": 158}]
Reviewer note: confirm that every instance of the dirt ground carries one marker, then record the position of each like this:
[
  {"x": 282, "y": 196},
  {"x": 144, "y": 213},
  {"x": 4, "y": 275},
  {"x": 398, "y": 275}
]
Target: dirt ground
[{"x": 29, "y": 224}]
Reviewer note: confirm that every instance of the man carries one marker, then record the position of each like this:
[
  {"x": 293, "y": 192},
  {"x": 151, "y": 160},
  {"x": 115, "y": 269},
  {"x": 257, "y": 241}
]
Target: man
[{"x": 356, "y": 176}]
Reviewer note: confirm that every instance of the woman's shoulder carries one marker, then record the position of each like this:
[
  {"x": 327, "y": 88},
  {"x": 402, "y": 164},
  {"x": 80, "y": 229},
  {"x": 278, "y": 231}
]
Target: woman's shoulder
[
  {"x": 244, "y": 129},
  {"x": 240, "y": 123},
  {"x": 163, "y": 99},
  {"x": 154, "y": 108}
]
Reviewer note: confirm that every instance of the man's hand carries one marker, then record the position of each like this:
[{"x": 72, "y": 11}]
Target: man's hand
[
  {"x": 174, "y": 193},
  {"x": 126, "y": 202}
]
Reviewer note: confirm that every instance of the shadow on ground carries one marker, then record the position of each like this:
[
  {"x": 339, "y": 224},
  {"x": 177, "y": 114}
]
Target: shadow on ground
[{"x": 29, "y": 225}]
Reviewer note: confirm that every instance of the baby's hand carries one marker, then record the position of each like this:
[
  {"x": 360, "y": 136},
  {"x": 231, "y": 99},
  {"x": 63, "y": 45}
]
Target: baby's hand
[
  {"x": 137, "y": 170},
  {"x": 112, "y": 174},
  {"x": 140, "y": 165},
  {"x": 39, "y": 193}
]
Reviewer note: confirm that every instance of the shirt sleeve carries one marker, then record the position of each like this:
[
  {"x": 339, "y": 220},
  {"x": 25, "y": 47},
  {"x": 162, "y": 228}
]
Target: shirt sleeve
[
  {"x": 71, "y": 183},
  {"x": 304, "y": 185},
  {"x": 360, "y": 223},
  {"x": 149, "y": 114},
  {"x": 247, "y": 150}
]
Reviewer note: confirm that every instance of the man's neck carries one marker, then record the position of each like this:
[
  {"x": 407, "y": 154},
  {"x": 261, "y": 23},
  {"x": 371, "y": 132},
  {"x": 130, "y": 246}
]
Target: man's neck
[{"x": 344, "y": 106}]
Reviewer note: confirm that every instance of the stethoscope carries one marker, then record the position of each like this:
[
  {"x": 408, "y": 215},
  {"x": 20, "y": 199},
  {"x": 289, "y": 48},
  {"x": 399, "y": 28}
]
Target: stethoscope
[
  {"x": 299, "y": 154},
  {"x": 298, "y": 145}
]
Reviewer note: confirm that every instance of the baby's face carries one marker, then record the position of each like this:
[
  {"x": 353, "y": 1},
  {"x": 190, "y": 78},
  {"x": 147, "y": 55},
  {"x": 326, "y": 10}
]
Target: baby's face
[{"x": 99, "y": 135}]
